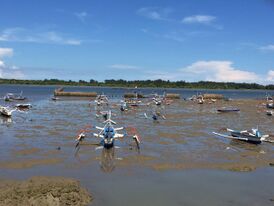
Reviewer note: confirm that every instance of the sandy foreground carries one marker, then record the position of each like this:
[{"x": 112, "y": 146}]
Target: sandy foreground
[{"x": 42, "y": 191}]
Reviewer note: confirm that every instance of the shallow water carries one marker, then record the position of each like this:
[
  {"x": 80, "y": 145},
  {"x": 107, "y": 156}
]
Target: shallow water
[{"x": 180, "y": 161}]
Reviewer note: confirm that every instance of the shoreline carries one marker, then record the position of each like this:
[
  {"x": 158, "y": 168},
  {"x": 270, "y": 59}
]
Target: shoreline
[{"x": 139, "y": 88}]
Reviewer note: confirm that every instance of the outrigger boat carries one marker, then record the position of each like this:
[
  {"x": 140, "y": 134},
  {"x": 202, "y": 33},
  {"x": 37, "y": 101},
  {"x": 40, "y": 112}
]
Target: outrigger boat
[
  {"x": 160, "y": 99},
  {"x": 123, "y": 106},
  {"x": 6, "y": 111},
  {"x": 11, "y": 97},
  {"x": 7, "y": 98},
  {"x": 253, "y": 136},
  {"x": 155, "y": 116},
  {"x": 157, "y": 101},
  {"x": 108, "y": 134},
  {"x": 101, "y": 100}
]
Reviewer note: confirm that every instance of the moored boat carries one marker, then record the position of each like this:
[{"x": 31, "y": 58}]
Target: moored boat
[
  {"x": 12, "y": 96},
  {"x": 6, "y": 111},
  {"x": 270, "y": 105},
  {"x": 253, "y": 136},
  {"x": 101, "y": 100},
  {"x": 269, "y": 113},
  {"x": 228, "y": 109}
]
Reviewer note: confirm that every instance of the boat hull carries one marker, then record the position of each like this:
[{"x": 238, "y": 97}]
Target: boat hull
[
  {"x": 108, "y": 145},
  {"x": 225, "y": 110},
  {"x": 250, "y": 139},
  {"x": 270, "y": 106},
  {"x": 5, "y": 114}
]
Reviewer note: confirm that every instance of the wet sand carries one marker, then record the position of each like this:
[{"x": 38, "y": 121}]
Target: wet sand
[
  {"x": 183, "y": 141},
  {"x": 43, "y": 191},
  {"x": 43, "y": 140}
]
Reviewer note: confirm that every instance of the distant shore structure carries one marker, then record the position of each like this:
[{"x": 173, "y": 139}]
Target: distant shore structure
[
  {"x": 61, "y": 92},
  {"x": 168, "y": 95},
  {"x": 213, "y": 96}
]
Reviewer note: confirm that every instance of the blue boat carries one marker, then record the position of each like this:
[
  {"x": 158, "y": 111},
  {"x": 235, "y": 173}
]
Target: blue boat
[{"x": 108, "y": 133}]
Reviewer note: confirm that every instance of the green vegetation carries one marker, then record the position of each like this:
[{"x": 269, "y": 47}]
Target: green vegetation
[{"x": 142, "y": 83}]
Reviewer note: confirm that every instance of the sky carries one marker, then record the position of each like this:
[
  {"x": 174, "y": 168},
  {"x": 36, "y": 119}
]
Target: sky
[{"x": 190, "y": 40}]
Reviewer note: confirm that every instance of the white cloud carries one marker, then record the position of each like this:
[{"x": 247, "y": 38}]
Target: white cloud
[
  {"x": 124, "y": 67},
  {"x": 269, "y": 47},
  {"x": 154, "y": 13},
  {"x": 81, "y": 15},
  {"x": 7, "y": 71},
  {"x": 19, "y": 34},
  {"x": 270, "y": 75},
  {"x": 201, "y": 19},
  {"x": 220, "y": 71},
  {"x": 6, "y": 52}
]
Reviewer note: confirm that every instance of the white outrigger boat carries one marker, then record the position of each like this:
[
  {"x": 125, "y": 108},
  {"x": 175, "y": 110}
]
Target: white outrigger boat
[
  {"x": 155, "y": 115},
  {"x": 123, "y": 106},
  {"x": 12, "y": 96},
  {"x": 108, "y": 134},
  {"x": 6, "y": 111},
  {"x": 253, "y": 136},
  {"x": 270, "y": 113},
  {"x": 101, "y": 100},
  {"x": 157, "y": 101}
]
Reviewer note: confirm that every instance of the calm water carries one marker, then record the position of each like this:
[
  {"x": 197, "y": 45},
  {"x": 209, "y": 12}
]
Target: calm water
[
  {"x": 41, "y": 92},
  {"x": 180, "y": 162}
]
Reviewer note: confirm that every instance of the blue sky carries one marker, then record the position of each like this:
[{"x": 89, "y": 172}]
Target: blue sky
[{"x": 172, "y": 40}]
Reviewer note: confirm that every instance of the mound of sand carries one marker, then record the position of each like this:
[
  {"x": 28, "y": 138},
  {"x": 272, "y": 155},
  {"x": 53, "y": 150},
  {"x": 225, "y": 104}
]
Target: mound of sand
[{"x": 43, "y": 191}]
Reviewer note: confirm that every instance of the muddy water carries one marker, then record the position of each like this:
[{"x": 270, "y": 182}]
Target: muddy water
[{"x": 180, "y": 161}]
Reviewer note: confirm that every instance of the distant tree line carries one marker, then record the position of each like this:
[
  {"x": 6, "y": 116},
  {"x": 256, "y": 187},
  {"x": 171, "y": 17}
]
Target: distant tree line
[{"x": 143, "y": 83}]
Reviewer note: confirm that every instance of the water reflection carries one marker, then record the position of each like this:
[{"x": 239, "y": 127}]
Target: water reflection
[
  {"x": 5, "y": 120},
  {"x": 242, "y": 145},
  {"x": 107, "y": 161}
]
